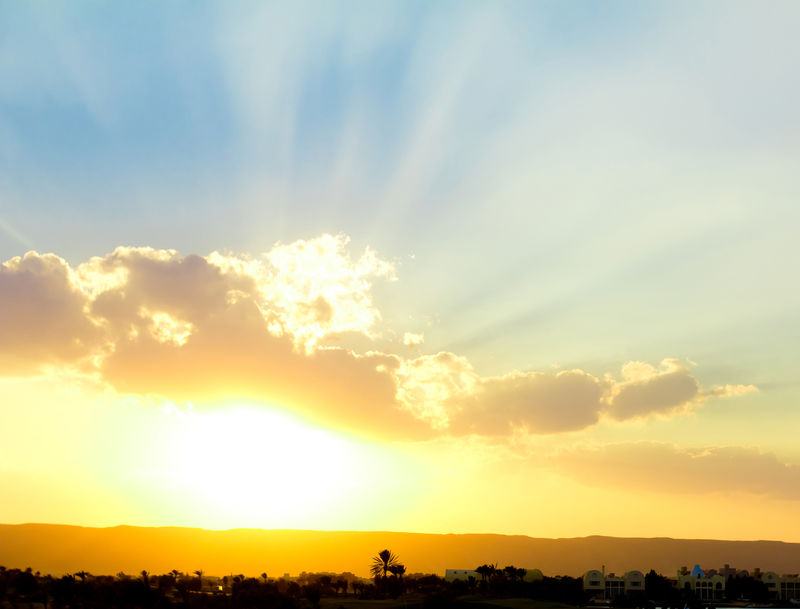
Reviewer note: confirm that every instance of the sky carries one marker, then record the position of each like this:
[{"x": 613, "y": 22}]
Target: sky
[{"x": 454, "y": 267}]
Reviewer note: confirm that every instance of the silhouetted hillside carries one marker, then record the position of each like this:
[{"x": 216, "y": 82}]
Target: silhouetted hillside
[{"x": 59, "y": 549}]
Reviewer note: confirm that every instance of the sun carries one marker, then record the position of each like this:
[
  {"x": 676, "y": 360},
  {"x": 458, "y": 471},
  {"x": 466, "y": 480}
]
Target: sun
[{"x": 256, "y": 467}]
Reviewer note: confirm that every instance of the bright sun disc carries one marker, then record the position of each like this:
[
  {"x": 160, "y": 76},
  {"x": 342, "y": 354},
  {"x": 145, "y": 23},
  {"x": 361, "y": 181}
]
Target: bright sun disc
[{"x": 258, "y": 468}]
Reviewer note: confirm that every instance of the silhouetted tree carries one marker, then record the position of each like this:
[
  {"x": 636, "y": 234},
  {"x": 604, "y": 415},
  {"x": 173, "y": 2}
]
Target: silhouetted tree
[
  {"x": 746, "y": 588},
  {"x": 313, "y": 593},
  {"x": 486, "y": 571},
  {"x": 659, "y": 588},
  {"x": 382, "y": 562}
]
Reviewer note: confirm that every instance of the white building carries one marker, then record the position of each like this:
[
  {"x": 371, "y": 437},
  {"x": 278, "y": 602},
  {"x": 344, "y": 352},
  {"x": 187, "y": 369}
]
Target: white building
[
  {"x": 610, "y": 586},
  {"x": 454, "y": 574}
]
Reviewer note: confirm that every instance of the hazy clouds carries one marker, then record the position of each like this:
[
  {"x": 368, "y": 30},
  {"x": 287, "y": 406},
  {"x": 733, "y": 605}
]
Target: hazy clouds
[{"x": 666, "y": 468}]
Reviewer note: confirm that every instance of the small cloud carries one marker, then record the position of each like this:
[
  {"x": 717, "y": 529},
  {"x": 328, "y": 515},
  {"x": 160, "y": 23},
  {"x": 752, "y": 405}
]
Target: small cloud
[
  {"x": 727, "y": 391},
  {"x": 647, "y": 390},
  {"x": 411, "y": 339}
]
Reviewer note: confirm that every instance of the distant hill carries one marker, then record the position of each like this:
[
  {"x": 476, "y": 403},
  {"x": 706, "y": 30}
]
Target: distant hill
[{"x": 61, "y": 549}]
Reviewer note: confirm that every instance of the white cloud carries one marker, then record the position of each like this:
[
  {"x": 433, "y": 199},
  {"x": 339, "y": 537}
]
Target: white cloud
[{"x": 413, "y": 339}]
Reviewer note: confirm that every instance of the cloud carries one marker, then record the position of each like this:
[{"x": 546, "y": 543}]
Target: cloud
[
  {"x": 447, "y": 390},
  {"x": 412, "y": 339},
  {"x": 728, "y": 391},
  {"x": 270, "y": 329},
  {"x": 226, "y": 327},
  {"x": 647, "y": 390},
  {"x": 202, "y": 329},
  {"x": 232, "y": 355},
  {"x": 42, "y": 315},
  {"x": 659, "y": 467},
  {"x": 534, "y": 401}
]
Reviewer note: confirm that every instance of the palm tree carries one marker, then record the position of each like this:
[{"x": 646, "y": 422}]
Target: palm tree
[
  {"x": 484, "y": 571},
  {"x": 382, "y": 562},
  {"x": 199, "y": 574},
  {"x": 397, "y": 570}
]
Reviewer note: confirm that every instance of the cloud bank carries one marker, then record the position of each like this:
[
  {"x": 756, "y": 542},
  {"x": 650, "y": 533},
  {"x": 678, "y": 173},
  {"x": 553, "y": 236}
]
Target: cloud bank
[
  {"x": 665, "y": 468},
  {"x": 224, "y": 326}
]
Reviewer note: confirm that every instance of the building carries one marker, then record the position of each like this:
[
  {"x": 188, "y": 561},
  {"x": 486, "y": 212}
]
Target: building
[
  {"x": 705, "y": 587},
  {"x": 451, "y": 575},
  {"x": 710, "y": 585},
  {"x": 781, "y": 587},
  {"x": 533, "y": 575},
  {"x": 598, "y": 584}
]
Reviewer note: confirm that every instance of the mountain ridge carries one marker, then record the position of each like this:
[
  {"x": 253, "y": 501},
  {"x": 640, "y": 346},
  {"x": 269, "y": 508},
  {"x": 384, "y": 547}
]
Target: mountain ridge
[{"x": 58, "y": 548}]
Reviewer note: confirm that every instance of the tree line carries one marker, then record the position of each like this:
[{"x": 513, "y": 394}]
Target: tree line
[{"x": 26, "y": 589}]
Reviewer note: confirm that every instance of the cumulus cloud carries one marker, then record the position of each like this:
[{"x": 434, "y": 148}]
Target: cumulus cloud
[
  {"x": 225, "y": 326},
  {"x": 646, "y": 389},
  {"x": 534, "y": 401},
  {"x": 42, "y": 315},
  {"x": 315, "y": 288},
  {"x": 666, "y": 468},
  {"x": 446, "y": 388},
  {"x": 668, "y": 388}
]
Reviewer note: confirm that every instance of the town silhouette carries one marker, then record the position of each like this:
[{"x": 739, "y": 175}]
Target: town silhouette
[{"x": 392, "y": 584}]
